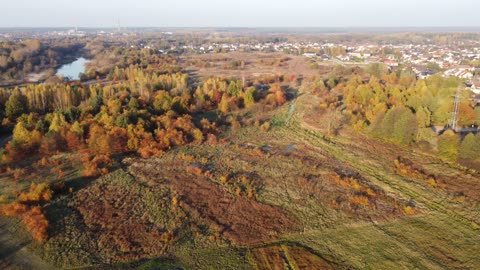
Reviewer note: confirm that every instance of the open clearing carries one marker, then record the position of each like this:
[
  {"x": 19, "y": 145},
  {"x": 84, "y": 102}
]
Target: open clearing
[{"x": 254, "y": 65}]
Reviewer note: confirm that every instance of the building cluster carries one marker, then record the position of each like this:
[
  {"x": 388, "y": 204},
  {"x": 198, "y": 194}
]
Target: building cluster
[{"x": 425, "y": 60}]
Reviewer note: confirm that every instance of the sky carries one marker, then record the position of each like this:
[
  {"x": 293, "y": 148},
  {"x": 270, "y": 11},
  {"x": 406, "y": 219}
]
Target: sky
[{"x": 244, "y": 13}]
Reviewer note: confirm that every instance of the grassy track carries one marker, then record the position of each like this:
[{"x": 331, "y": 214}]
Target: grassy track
[{"x": 444, "y": 236}]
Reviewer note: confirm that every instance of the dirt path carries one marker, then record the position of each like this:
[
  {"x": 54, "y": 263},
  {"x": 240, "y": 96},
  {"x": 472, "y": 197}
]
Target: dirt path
[
  {"x": 13, "y": 249},
  {"x": 290, "y": 112}
]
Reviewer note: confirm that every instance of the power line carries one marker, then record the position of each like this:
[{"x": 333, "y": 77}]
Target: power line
[{"x": 456, "y": 109}]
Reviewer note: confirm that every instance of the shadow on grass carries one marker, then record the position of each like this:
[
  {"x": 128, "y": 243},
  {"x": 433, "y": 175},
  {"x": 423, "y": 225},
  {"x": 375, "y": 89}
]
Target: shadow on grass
[
  {"x": 7, "y": 249},
  {"x": 150, "y": 264},
  {"x": 10, "y": 243},
  {"x": 59, "y": 210}
]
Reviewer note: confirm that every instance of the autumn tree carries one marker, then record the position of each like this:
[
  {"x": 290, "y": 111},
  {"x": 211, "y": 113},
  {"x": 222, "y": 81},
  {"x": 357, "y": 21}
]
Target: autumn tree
[
  {"x": 73, "y": 140},
  {"x": 21, "y": 134},
  {"x": 36, "y": 223},
  {"x": 233, "y": 90},
  {"x": 96, "y": 165},
  {"x": 74, "y": 136},
  {"x": 280, "y": 97},
  {"x": 162, "y": 101},
  {"x": 37, "y": 193},
  {"x": 77, "y": 129},
  {"x": 249, "y": 97},
  {"x": 448, "y": 144},
  {"x": 470, "y": 147},
  {"x": 119, "y": 140},
  {"x": 197, "y": 136},
  {"x": 99, "y": 141},
  {"x": 52, "y": 142},
  {"x": 133, "y": 104},
  {"x": 32, "y": 217},
  {"x": 377, "y": 69},
  {"x": 224, "y": 105},
  {"x": 3, "y": 62},
  {"x": 405, "y": 127},
  {"x": 58, "y": 122},
  {"x": 16, "y": 105},
  {"x": 466, "y": 115},
  {"x": 423, "y": 117}
]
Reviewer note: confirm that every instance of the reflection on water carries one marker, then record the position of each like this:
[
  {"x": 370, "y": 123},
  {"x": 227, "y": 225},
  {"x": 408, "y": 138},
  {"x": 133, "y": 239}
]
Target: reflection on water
[{"x": 73, "y": 70}]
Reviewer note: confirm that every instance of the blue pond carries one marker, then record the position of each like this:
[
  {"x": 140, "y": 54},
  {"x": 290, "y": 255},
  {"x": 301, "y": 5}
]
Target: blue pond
[{"x": 73, "y": 70}]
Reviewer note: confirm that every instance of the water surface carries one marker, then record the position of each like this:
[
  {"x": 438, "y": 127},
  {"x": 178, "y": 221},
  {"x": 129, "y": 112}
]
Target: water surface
[{"x": 73, "y": 70}]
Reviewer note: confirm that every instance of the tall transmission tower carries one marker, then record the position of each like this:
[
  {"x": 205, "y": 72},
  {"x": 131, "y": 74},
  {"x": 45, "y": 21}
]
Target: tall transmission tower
[{"x": 456, "y": 109}]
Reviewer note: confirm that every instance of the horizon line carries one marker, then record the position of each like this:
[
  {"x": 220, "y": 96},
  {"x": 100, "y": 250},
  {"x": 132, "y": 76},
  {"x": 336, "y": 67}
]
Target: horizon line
[
  {"x": 248, "y": 27},
  {"x": 292, "y": 30}
]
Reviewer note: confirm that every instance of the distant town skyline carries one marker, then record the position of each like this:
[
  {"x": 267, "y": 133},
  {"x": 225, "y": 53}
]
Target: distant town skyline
[{"x": 246, "y": 13}]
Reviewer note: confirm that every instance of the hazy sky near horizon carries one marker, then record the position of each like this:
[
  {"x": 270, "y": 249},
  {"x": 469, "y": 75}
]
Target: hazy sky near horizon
[{"x": 244, "y": 13}]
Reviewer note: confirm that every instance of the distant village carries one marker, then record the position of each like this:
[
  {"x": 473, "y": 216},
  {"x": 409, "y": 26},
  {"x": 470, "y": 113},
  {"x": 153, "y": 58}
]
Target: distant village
[
  {"x": 427, "y": 59},
  {"x": 449, "y": 61}
]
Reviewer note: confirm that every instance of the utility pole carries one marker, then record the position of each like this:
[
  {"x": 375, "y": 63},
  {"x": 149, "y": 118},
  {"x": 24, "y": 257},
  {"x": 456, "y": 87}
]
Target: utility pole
[
  {"x": 456, "y": 109},
  {"x": 243, "y": 80}
]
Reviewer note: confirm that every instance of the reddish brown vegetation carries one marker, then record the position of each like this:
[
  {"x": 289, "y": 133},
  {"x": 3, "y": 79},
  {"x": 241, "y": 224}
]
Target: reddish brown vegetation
[
  {"x": 95, "y": 165},
  {"x": 121, "y": 223},
  {"x": 195, "y": 169},
  {"x": 301, "y": 258},
  {"x": 37, "y": 193},
  {"x": 405, "y": 168},
  {"x": 242, "y": 184},
  {"x": 36, "y": 223},
  {"x": 363, "y": 198},
  {"x": 269, "y": 258},
  {"x": 243, "y": 221},
  {"x": 460, "y": 185},
  {"x": 73, "y": 141},
  {"x": 344, "y": 189},
  {"x": 283, "y": 257},
  {"x": 32, "y": 217},
  {"x": 239, "y": 219}
]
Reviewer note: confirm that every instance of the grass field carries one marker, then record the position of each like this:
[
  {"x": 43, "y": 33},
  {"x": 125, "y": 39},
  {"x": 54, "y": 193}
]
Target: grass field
[
  {"x": 289, "y": 198},
  {"x": 254, "y": 65}
]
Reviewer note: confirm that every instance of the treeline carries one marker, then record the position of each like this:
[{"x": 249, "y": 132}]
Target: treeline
[
  {"x": 430, "y": 102},
  {"x": 19, "y": 59},
  {"x": 107, "y": 59},
  {"x": 465, "y": 150},
  {"x": 162, "y": 92},
  {"x": 398, "y": 108},
  {"x": 142, "y": 112}
]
